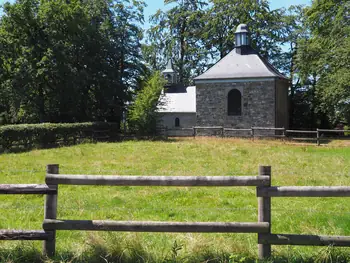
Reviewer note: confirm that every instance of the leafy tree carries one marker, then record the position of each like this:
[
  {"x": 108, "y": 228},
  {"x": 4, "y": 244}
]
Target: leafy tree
[
  {"x": 143, "y": 115},
  {"x": 323, "y": 59},
  {"x": 176, "y": 34},
  {"x": 66, "y": 61},
  {"x": 301, "y": 97},
  {"x": 225, "y": 15}
]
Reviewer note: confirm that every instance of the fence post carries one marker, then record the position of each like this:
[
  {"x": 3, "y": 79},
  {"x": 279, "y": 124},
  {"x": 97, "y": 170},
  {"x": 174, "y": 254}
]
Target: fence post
[
  {"x": 50, "y": 212},
  {"x": 194, "y": 132},
  {"x": 252, "y": 133},
  {"x": 318, "y": 137},
  {"x": 264, "y": 213},
  {"x": 222, "y": 131}
]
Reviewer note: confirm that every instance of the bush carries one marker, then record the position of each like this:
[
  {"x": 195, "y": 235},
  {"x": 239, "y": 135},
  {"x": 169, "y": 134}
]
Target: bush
[
  {"x": 53, "y": 134},
  {"x": 143, "y": 115}
]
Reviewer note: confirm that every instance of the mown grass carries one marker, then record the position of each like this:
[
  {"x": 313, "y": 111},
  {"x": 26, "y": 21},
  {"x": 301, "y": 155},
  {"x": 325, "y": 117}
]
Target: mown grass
[{"x": 295, "y": 164}]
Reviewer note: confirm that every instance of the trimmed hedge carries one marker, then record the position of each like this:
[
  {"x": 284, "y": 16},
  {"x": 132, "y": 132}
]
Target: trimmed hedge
[{"x": 54, "y": 134}]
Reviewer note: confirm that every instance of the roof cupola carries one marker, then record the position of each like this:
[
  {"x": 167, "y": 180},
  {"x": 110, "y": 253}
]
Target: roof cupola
[
  {"x": 169, "y": 73},
  {"x": 242, "y": 38}
]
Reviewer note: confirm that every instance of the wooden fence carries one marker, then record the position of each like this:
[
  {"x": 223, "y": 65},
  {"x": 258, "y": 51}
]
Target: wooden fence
[
  {"x": 317, "y": 135},
  {"x": 264, "y": 192}
]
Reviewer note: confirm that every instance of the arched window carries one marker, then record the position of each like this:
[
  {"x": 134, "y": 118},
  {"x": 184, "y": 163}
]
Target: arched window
[
  {"x": 234, "y": 103},
  {"x": 177, "y": 122}
]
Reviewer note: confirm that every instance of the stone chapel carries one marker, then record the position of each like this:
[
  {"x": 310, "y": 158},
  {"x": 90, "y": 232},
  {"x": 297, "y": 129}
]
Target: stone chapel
[{"x": 242, "y": 90}]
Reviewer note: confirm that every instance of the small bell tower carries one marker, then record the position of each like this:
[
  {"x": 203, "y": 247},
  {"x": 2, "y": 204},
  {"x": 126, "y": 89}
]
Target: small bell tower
[
  {"x": 169, "y": 74},
  {"x": 242, "y": 39}
]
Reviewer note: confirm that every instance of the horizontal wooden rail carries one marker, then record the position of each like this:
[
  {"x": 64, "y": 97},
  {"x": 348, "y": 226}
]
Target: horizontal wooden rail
[
  {"x": 268, "y": 128},
  {"x": 157, "y": 180},
  {"x": 242, "y": 130},
  {"x": 154, "y": 226},
  {"x": 181, "y": 129},
  {"x": 213, "y": 127},
  {"x": 270, "y": 136},
  {"x": 304, "y": 191},
  {"x": 26, "y": 189},
  {"x": 300, "y": 131},
  {"x": 325, "y": 130},
  {"x": 303, "y": 138},
  {"x": 304, "y": 240},
  {"x": 25, "y": 235},
  {"x": 343, "y": 138}
]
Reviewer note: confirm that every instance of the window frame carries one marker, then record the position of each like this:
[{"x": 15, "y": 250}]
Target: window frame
[
  {"x": 177, "y": 122},
  {"x": 235, "y": 110}
]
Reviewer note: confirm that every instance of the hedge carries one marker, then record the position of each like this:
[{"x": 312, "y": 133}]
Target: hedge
[{"x": 53, "y": 134}]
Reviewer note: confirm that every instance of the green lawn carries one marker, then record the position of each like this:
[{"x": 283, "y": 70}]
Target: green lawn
[{"x": 291, "y": 165}]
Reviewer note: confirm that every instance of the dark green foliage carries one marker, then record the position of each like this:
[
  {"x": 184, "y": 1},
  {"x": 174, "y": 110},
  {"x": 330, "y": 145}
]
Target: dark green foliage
[
  {"x": 68, "y": 61},
  {"x": 26, "y": 136},
  {"x": 323, "y": 58}
]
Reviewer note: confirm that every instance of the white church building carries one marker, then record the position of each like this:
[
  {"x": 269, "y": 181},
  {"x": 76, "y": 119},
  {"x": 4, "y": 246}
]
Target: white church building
[{"x": 178, "y": 103}]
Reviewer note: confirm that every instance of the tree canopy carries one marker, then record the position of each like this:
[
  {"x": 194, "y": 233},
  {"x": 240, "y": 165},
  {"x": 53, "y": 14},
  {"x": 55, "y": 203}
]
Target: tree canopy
[
  {"x": 324, "y": 58},
  {"x": 67, "y": 61}
]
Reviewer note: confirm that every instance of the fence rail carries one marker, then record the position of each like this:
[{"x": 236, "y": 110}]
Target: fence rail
[
  {"x": 26, "y": 189},
  {"x": 25, "y": 235},
  {"x": 264, "y": 193},
  {"x": 154, "y": 226},
  {"x": 157, "y": 180},
  {"x": 265, "y": 132},
  {"x": 304, "y": 240},
  {"x": 304, "y": 191}
]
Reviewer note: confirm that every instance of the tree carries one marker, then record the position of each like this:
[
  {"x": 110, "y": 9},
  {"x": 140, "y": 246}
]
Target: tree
[
  {"x": 301, "y": 97},
  {"x": 66, "y": 61},
  {"x": 323, "y": 59},
  {"x": 224, "y": 16},
  {"x": 176, "y": 34},
  {"x": 143, "y": 115}
]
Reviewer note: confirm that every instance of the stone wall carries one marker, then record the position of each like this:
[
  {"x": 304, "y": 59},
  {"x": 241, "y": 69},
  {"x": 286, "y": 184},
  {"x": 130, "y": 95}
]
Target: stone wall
[
  {"x": 258, "y": 104},
  {"x": 187, "y": 120}
]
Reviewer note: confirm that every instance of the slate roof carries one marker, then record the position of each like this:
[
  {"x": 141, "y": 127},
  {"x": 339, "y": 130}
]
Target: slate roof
[
  {"x": 237, "y": 66},
  {"x": 179, "y": 101}
]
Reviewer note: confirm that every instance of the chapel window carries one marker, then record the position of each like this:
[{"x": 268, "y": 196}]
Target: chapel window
[
  {"x": 177, "y": 122},
  {"x": 234, "y": 103}
]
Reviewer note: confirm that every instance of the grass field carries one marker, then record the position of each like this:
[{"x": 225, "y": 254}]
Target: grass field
[{"x": 291, "y": 165}]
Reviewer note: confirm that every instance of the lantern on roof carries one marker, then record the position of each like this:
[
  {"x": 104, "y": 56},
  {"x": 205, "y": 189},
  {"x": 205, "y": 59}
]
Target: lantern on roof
[{"x": 242, "y": 36}]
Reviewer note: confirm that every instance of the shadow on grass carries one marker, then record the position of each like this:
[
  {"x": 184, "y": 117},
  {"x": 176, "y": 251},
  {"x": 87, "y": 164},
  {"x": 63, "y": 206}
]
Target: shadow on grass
[{"x": 136, "y": 254}]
